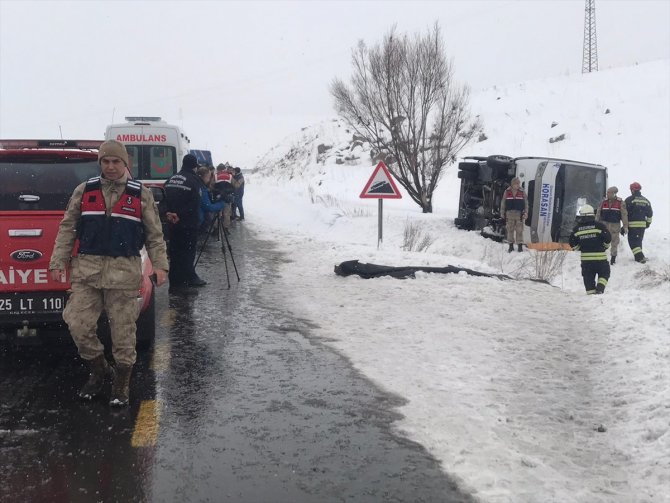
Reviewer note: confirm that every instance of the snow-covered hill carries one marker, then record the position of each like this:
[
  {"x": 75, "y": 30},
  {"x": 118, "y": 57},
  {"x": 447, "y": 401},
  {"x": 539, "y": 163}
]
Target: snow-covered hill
[
  {"x": 618, "y": 118},
  {"x": 525, "y": 392}
]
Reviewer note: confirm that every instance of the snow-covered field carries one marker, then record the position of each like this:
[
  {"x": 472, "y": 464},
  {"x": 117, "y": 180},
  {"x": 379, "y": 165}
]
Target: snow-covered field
[{"x": 526, "y": 392}]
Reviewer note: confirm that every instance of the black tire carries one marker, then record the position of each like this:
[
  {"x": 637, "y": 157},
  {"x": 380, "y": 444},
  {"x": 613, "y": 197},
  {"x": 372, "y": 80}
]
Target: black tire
[
  {"x": 146, "y": 324},
  {"x": 499, "y": 162},
  {"x": 472, "y": 167},
  {"x": 467, "y": 176},
  {"x": 464, "y": 223}
]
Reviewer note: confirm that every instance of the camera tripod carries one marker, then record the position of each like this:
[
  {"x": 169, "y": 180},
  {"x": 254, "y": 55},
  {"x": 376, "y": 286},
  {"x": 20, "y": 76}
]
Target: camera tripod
[{"x": 222, "y": 236}]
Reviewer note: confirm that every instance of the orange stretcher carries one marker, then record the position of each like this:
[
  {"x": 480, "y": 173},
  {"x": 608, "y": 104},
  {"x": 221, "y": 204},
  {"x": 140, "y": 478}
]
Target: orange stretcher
[{"x": 549, "y": 246}]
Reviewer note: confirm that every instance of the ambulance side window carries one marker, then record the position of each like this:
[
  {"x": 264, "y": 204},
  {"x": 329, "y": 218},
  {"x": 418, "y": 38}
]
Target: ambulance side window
[
  {"x": 133, "y": 160},
  {"x": 162, "y": 162}
]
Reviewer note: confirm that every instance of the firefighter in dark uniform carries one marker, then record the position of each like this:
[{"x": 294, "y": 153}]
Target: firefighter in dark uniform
[
  {"x": 592, "y": 239},
  {"x": 612, "y": 212},
  {"x": 639, "y": 219},
  {"x": 182, "y": 193},
  {"x": 113, "y": 217}
]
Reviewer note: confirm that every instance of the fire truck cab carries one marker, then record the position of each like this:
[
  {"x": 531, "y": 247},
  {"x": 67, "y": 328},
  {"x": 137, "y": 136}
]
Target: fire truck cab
[{"x": 155, "y": 148}]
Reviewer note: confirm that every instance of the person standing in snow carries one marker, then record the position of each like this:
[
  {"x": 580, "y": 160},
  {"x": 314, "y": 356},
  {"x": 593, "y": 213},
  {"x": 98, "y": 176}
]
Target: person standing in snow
[
  {"x": 639, "y": 220},
  {"x": 207, "y": 207},
  {"x": 113, "y": 217},
  {"x": 514, "y": 208},
  {"x": 182, "y": 193},
  {"x": 238, "y": 183},
  {"x": 224, "y": 187},
  {"x": 612, "y": 212},
  {"x": 592, "y": 239}
]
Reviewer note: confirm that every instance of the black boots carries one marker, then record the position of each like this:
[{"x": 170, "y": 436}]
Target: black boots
[
  {"x": 99, "y": 370},
  {"x": 520, "y": 247},
  {"x": 613, "y": 260},
  {"x": 511, "y": 248},
  {"x": 121, "y": 386}
]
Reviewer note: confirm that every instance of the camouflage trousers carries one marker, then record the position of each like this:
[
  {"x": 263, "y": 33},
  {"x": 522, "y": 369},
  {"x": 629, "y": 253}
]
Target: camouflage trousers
[
  {"x": 226, "y": 216},
  {"x": 615, "y": 229},
  {"x": 514, "y": 225},
  {"x": 81, "y": 314}
]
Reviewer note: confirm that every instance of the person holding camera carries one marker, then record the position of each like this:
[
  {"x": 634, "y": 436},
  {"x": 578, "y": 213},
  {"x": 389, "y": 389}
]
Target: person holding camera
[{"x": 207, "y": 207}]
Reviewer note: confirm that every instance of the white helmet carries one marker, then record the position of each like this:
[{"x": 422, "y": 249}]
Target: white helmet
[{"x": 587, "y": 211}]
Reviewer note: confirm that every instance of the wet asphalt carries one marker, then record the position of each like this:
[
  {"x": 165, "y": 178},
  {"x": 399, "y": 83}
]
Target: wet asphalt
[{"x": 235, "y": 402}]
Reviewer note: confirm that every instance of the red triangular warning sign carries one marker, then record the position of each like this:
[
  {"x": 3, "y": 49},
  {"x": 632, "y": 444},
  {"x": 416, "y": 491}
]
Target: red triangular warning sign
[{"x": 381, "y": 185}]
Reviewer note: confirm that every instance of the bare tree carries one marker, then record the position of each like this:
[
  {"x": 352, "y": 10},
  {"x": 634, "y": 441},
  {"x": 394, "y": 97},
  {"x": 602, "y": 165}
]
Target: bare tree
[{"x": 403, "y": 100}]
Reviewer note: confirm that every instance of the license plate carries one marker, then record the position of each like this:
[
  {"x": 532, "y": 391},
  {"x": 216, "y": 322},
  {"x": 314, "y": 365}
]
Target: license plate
[{"x": 20, "y": 304}]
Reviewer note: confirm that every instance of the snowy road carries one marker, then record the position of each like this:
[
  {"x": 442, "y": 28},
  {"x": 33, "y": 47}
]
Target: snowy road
[{"x": 236, "y": 403}]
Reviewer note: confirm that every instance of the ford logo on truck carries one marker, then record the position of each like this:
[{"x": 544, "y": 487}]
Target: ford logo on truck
[{"x": 26, "y": 255}]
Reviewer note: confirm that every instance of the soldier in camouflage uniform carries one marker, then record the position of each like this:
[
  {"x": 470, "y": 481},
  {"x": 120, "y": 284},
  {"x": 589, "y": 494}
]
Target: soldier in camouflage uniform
[
  {"x": 612, "y": 211},
  {"x": 514, "y": 209},
  {"x": 113, "y": 217}
]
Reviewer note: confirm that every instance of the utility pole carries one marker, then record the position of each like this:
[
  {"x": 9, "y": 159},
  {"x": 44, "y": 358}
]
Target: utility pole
[{"x": 590, "y": 52}]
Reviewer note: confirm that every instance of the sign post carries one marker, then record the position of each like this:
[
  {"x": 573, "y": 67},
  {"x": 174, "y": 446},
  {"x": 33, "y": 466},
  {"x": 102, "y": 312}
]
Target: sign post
[{"x": 380, "y": 186}]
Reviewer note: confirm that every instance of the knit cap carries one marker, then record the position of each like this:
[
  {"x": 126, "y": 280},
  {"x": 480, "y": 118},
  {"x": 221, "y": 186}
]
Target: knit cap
[
  {"x": 113, "y": 148},
  {"x": 190, "y": 162}
]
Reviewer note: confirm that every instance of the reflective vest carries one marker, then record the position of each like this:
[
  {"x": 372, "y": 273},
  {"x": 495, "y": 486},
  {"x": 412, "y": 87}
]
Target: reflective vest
[
  {"x": 639, "y": 211},
  {"x": 592, "y": 239},
  {"x": 223, "y": 176},
  {"x": 611, "y": 211},
  {"x": 514, "y": 202},
  {"x": 119, "y": 234}
]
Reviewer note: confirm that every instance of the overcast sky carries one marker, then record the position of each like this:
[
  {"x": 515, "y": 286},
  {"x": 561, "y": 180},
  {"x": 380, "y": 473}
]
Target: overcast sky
[{"x": 240, "y": 76}]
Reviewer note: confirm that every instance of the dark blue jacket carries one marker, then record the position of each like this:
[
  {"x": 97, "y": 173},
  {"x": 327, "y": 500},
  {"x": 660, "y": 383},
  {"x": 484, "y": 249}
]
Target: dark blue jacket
[{"x": 182, "y": 193}]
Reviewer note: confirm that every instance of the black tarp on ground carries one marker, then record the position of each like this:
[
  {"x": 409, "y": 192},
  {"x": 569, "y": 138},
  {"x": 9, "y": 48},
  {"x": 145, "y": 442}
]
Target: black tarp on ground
[{"x": 368, "y": 271}]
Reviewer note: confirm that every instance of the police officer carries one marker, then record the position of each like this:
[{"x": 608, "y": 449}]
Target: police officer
[
  {"x": 182, "y": 194},
  {"x": 113, "y": 217},
  {"x": 592, "y": 239},
  {"x": 514, "y": 208},
  {"x": 612, "y": 211},
  {"x": 639, "y": 219}
]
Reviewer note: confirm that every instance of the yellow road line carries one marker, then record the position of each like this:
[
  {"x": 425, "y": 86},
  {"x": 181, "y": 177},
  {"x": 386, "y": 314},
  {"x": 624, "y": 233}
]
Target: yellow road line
[
  {"x": 146, "y": 424},
  {"x": 160, "y": 360},
  {"x": 168, "y": 318}
]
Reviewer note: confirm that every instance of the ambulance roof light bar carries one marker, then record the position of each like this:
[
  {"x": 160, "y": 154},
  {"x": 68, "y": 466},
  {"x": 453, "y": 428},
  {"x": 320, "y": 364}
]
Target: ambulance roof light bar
[{"x": 144, "y": 119}]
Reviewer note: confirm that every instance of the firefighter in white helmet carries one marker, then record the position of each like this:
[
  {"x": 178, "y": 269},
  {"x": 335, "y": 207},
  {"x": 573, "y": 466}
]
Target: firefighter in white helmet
[{"x": 592, "y": 239}]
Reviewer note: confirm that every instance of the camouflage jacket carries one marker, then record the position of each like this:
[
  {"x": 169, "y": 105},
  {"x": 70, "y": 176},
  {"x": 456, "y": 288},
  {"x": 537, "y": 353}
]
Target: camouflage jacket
[{"x": 101, "y": 271}]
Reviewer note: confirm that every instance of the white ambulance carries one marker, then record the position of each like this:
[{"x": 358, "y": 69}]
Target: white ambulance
[{"x": 155, "y": 148}]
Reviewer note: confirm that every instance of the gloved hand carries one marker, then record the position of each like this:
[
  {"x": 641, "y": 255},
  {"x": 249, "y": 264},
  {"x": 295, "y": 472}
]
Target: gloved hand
[
  {"x": 623, "y": 231},
  {"x": 648, "y": 224}
]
